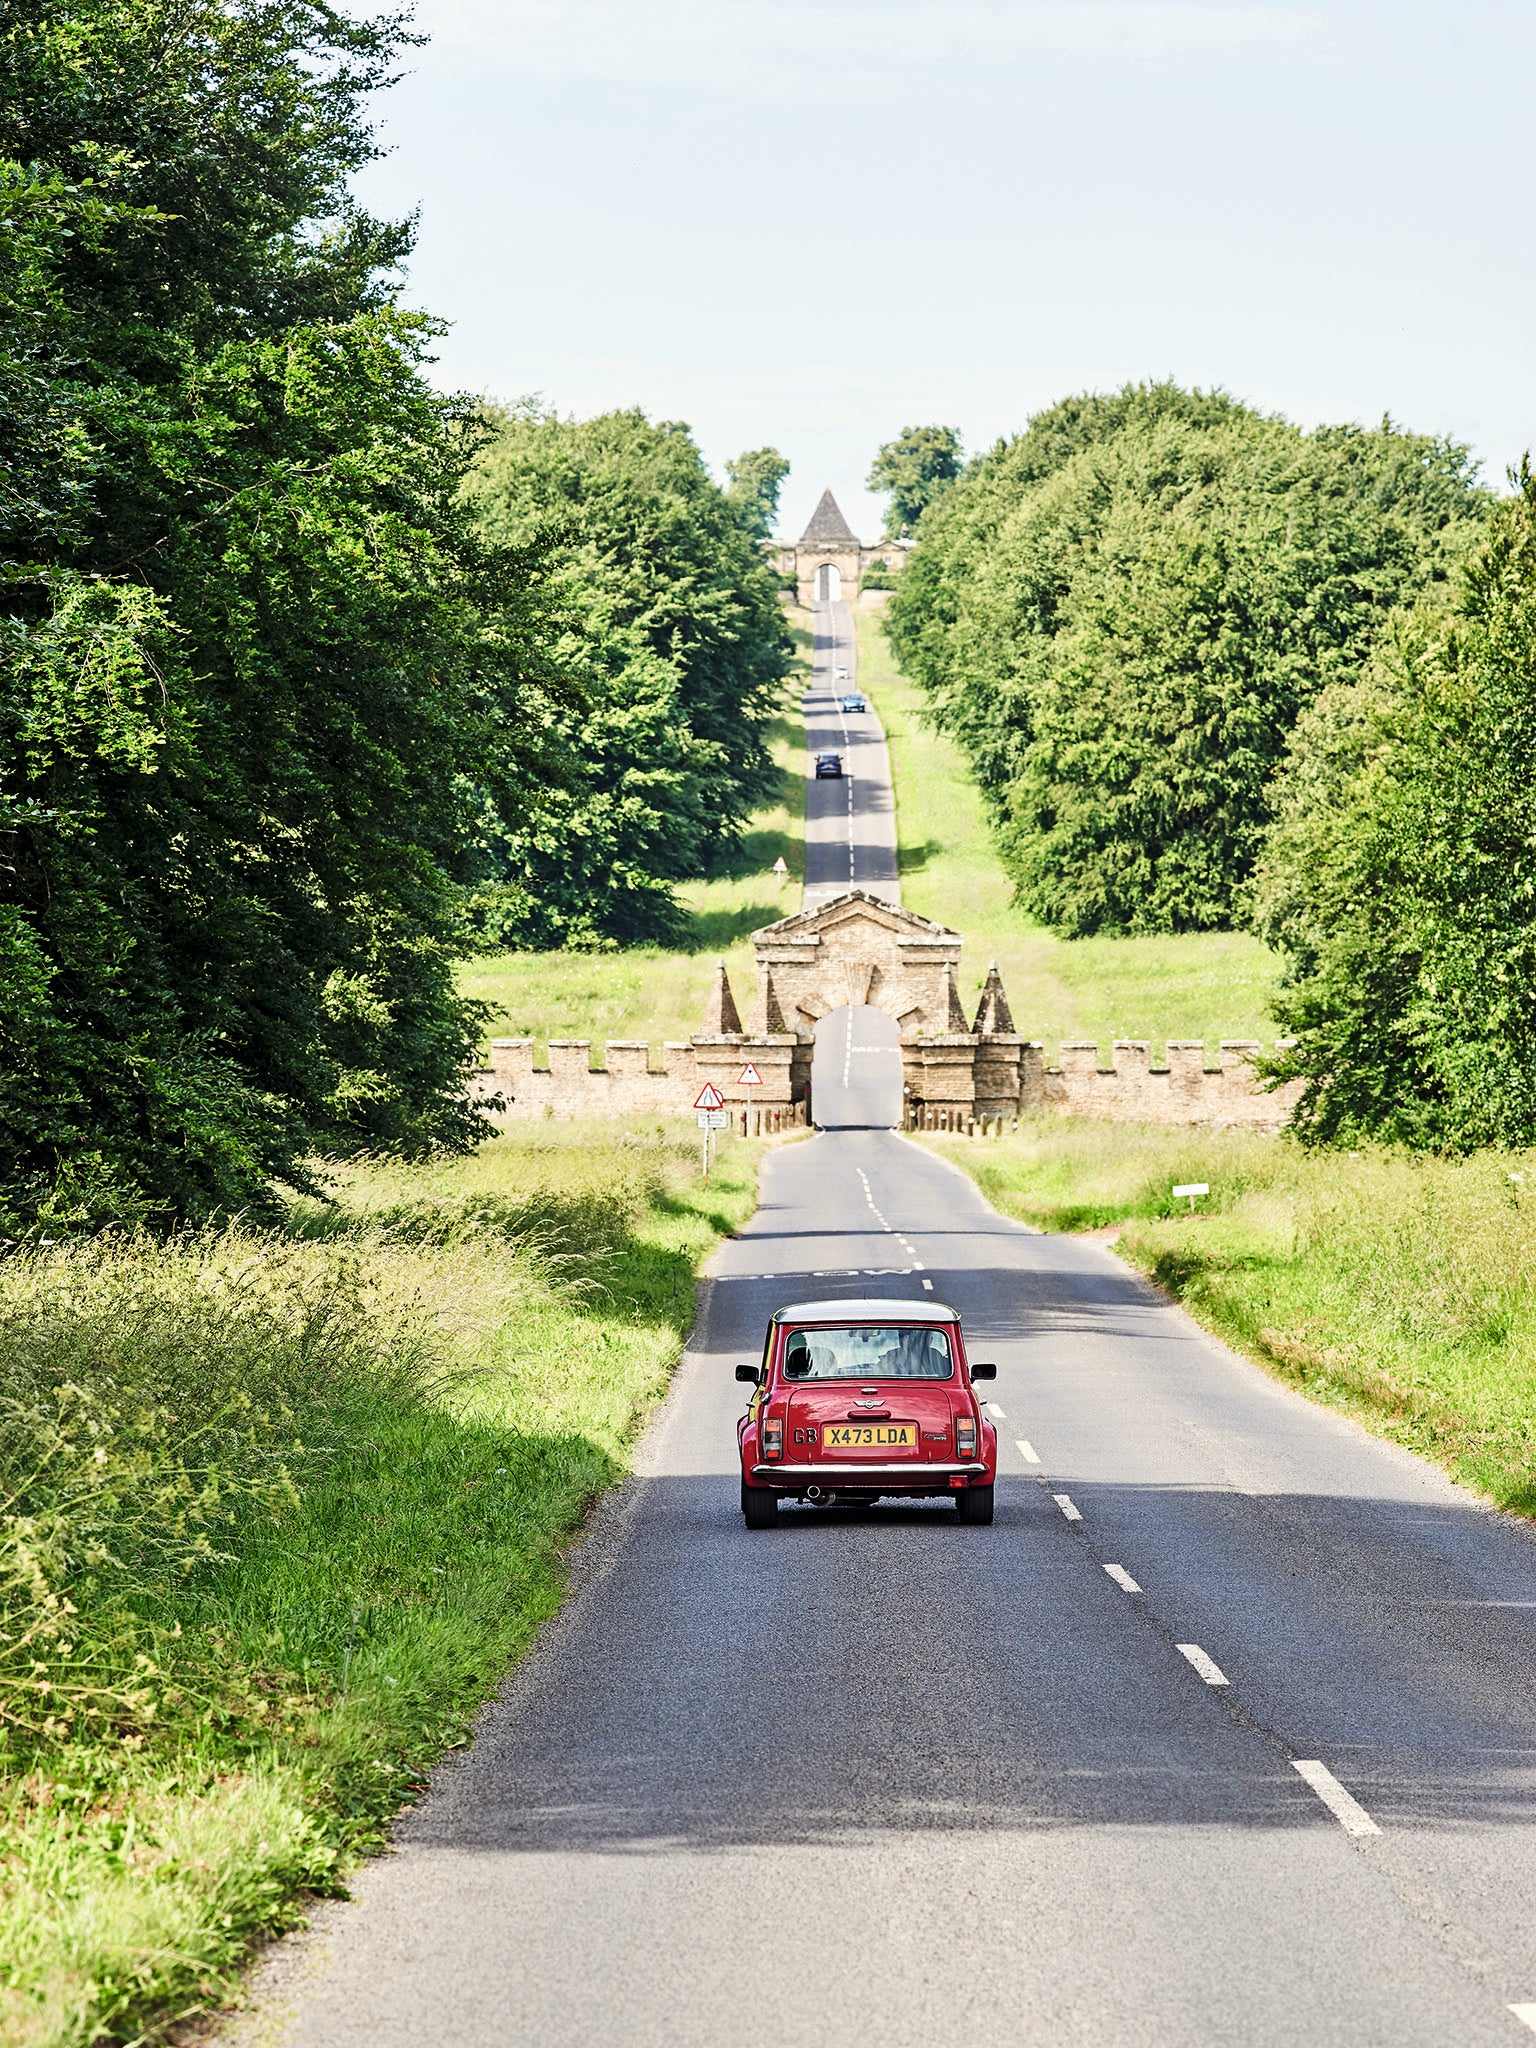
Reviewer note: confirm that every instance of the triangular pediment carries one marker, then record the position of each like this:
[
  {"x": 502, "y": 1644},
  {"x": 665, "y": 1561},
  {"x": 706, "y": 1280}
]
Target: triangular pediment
[{"x": 855, "y": 907}]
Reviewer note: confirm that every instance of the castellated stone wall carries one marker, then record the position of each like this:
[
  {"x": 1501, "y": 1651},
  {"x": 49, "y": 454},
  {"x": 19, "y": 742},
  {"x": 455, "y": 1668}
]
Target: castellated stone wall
[
  {"x": 859, "y": 949},
  {"x": 628, "y": 1085}
]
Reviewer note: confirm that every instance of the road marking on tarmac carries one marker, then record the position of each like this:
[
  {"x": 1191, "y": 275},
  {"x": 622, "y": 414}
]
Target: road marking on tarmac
[
  {"x": 1027, "y": 1451},
  {"x": 1064, "y": 1502},
  {"x": 1354, "y": 1820},
  {"x": 1208, "y": 1669},
  {"x": 1526, "y": 2014},
  {"x": 1122, "y": 1578}
]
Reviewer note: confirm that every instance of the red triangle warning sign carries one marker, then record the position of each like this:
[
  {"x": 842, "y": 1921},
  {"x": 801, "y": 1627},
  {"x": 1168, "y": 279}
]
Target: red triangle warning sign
[
  {"x": 709, "y": 1097},
  {"x": 749, "y": 1077}
]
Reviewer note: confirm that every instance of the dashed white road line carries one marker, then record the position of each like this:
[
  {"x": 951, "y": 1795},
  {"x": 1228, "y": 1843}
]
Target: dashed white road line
[
  {"x": 1354, "y": 1820},
  {"x": 1027, "y": 1451},
  {"x": 1125, "y": 1582},
  {"x": 1526, "y": 2014},
  {"x": 1064, "y": 1502},
  {"x": 1207, "y": 1667},
  {"x": 997, "y": 1413}
]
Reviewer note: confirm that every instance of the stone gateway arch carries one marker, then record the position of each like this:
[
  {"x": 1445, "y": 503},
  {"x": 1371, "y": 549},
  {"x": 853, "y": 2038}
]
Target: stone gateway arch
[{"x": 855, "y": 950}]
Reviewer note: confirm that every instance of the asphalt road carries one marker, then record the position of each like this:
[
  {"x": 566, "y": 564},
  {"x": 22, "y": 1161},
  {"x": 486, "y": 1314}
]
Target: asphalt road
[
  {"x": 850, "y": 824},
  {"x": 883, "y": 1778}
]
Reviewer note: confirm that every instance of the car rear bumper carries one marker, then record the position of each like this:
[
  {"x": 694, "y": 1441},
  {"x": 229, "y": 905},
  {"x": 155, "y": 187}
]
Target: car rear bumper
[{"x": 791, "y": 1478}]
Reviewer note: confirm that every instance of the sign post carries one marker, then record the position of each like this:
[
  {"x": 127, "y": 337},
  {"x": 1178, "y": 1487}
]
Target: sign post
[
  {"x": 710, "y": 1104},
  {"x": 1192, "y": 1188}
]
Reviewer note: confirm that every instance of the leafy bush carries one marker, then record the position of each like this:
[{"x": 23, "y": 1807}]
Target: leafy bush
[
  {"x": 1399, "y": 879},
  {"x": 1120, "y": 614}
]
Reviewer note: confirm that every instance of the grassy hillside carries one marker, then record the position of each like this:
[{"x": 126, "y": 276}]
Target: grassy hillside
[
  {"x": 1209, "y": 985},
  {"x": 279, "y": 1511},
  {"x": 1400, "y": 1289}
]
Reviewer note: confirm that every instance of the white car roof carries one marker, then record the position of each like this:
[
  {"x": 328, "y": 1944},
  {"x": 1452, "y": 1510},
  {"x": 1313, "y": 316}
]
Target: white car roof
[{"x": 875, "y": 1311}]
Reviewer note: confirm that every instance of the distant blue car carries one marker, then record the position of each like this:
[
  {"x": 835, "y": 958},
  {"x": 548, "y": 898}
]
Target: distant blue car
[
  {"x": 828, "y": 765},
  {"x": 854, "y": 702}
]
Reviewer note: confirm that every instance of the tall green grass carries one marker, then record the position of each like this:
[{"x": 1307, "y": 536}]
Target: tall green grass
[
  {"x": 276, "y": 1511},
  {"x": 1399, "y": 1288}
]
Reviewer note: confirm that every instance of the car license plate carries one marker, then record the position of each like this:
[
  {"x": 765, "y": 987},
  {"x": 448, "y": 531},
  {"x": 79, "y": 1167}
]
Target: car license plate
[{"x": 869, "y": 1436}]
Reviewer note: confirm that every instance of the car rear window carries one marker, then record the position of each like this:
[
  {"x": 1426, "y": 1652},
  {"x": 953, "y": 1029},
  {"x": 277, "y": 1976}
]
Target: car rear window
[{"x": 863, "y": 1351}]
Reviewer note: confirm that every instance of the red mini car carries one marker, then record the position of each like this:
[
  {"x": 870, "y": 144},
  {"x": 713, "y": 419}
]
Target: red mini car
[{"x": 855, "y": 1399}]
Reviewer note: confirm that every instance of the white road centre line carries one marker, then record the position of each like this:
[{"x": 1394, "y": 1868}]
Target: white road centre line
[
  {"x": 1125, "y": 1582},
  {"x": 1351, "y": 1815},
  {"x": 1064, "y": 1502},
  {"x": 997, "y": 1413},
  {"x": 1526, "y": 2015},
  {"x": 1027, "y": 1451},
  {"x": 1207, "y": 1667}
]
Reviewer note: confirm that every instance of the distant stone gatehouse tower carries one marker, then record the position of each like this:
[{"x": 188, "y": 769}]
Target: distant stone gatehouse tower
[{"x": 829, "y": 560}]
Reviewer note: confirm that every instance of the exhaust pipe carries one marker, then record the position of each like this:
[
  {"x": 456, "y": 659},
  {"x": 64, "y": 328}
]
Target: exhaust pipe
[{"x": 813, "y": 1493}]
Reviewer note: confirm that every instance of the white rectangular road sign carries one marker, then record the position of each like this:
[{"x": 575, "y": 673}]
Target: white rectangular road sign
[
  {"x": 749, "y": 1077},
  {"x": 1195, "y": 1187},
  {"x": 709, "y": 1097},
  {"x": 713, "y": 1119}
]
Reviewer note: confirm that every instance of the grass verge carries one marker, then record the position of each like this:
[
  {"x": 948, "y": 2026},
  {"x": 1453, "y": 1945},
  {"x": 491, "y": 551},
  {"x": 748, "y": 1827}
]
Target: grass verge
[
  {"x": 1400, "y": 1289},
  {"x": 276, "y": 1513},
  {"x": 1209, "y": 985}
]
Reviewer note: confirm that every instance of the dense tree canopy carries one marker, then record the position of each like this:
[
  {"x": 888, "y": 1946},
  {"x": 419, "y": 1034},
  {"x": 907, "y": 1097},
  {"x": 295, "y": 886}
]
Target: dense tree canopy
[
  {"x": 915, "y": 468},
  {"x": 1399, "y": 878},
  {"x": 756, "y": 477},
  {"x": 253, "y": 657},
  {"x": 1121, "y": 613},
  {"x": 672, "y": 627}
]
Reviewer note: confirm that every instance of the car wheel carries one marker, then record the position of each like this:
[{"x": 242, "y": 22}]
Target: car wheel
[
  {"x": 975, "y": 1505},
  {"x": 759, "y": 1507}
]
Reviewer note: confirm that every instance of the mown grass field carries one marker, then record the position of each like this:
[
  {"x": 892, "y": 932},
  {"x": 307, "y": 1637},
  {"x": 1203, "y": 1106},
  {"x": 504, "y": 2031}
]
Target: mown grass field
[
  {"x": 1402, "y": 1290},
  {"x": 278, "y": 1512},
  {"x": 1209, "y": 985}
]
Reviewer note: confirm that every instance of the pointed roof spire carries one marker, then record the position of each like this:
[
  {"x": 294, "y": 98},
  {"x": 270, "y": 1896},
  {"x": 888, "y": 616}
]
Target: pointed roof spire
[
  {"x": 956, "y": 1014},
  {"x": 992, "y": 1013},
  {"x": 828, "y": 527},
  {"x": 721, "y": 1018},
  {"x": 768, "y": 1016}
]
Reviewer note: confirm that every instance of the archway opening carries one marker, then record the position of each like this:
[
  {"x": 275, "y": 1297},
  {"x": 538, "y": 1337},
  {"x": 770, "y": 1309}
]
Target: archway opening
[
  {"x": 829, "y": 583},
  {"x": 856, "y": 1070}
]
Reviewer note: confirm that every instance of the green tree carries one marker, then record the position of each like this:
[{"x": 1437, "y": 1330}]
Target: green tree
[
  {"x": 254, "y": 659},
  {"x": 1121, "y": 613},
  {"x": 756, "y": 477},
  {"x": 1400, "y": 878},
  {"x": 672, "y": 628},
  {"x": 916, "y": 468}
]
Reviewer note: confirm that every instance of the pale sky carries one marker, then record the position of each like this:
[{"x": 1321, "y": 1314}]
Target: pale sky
[{"x": 814, "y": 222}]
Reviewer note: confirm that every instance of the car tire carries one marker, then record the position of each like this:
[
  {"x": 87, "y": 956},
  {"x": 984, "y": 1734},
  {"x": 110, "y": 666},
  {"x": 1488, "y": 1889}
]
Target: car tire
[
  {"x": 975, "y": 1505},
  {"x": 759, "y": 1506}
]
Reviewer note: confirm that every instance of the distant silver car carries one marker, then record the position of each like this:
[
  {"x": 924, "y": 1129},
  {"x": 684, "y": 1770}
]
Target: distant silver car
[{"x": 854, "y": 702}]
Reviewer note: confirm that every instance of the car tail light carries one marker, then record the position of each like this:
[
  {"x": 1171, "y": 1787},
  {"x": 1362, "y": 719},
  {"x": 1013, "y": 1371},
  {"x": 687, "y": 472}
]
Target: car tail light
[
  {"x": 773, "y": 1436},
  {"x": 965, "y": 1436}
]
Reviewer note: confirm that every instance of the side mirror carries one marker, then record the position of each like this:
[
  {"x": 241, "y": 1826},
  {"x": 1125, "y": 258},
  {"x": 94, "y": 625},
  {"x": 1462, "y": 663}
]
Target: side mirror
[
  {"x": 979, "y": 1371},
  {"x": 747, "y": 1373}
]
